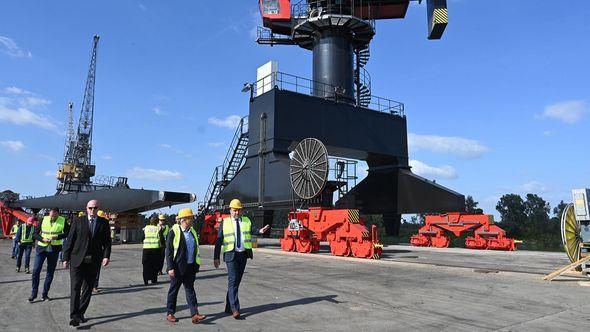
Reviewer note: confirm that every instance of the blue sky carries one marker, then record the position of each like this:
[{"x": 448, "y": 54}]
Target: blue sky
[{"x": 501, "y": 104}]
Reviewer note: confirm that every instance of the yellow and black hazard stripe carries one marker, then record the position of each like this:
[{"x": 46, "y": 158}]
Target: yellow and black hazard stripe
[
  {"x": 354, "y": 216},
  {"x": 440, "y": 15}
]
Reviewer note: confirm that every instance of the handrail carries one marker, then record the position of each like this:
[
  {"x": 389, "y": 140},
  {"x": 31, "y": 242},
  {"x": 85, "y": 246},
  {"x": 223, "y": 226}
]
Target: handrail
[{"x": 284, "y": 81}]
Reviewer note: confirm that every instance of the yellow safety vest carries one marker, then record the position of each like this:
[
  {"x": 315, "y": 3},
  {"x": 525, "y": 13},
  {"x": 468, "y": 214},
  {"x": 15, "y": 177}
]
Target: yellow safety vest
[
  {"x": 176, "y": 242},
  {"x": 49, "y": 230},
  {"x": 14, "y": 229},
  {"x": 166, "y": 230},
  {"x": 152, "y": 238},
  {"x": 229, "y": 234},
  {"x": 24, "y": 237}
]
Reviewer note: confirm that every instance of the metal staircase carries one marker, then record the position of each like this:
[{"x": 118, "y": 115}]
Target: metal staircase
[
  {"x": 232, "y": 163},
  {"x": 362, "y": 77}
]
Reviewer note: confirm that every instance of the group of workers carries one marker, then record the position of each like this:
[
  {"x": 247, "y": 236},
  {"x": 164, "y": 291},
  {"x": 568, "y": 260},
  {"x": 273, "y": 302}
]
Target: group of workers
[
  {"x": 85, "y": 245},
  {"x": 180, "y": 247}
]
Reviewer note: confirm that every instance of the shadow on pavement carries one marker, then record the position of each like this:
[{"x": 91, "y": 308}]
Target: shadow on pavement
[
  {"x": 251, "y": 311},
  {"x": 117, "y": 317}
]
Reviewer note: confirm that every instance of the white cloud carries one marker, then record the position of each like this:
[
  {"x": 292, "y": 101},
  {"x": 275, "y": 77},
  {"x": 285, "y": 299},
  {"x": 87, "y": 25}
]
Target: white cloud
[
  {"x": 8, "y": 46},
  {"x": 230, "y": 122},
  {"x": 158, "y": 111},
  {"x": 143, "y": 7},
  {"x": 463, "y": 147},
  {"x": 34, "y": 102},
  {"x": 49, "y": 173},
  {"x": 107, "y": 157},
  {"x": 165, "y": 146},
  {"x": 25, "y": 114},
  {"x": 568, "y": 112},
  {"x": 216, "y": 144},
  {"x": 153, "y": 174},
  {"x": 17, "y": 91},
  {"x": 534, "y": 187},
  {"x": 547, "y": 133},
  {"x": 12, "y": 145},
  {"x": 427, "y": 171}
]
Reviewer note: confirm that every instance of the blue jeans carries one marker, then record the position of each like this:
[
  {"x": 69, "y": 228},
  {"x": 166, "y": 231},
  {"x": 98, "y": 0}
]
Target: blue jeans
[
  {"x": 51, "y": 264},
  {"x": 14, "y": 248},
  {"x": 188, "y": 280},
  {"x": 26, "y": 248},
  {"x": 235, "y": 271}
]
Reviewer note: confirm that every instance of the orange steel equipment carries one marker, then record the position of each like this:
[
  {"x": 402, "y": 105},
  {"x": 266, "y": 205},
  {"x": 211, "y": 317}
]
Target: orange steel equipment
[
  {"x": 343, "y": 229},
  {"x": 7, "y": 215},
  {"x": 486, "y": 234},
  {"x": 211, "y": 227}
]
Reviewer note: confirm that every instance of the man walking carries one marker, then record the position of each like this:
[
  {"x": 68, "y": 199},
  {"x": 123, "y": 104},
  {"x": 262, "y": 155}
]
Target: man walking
[
  {"x": 235, "y": 235},
  {"x": 49, "y": 243},
  {"x": 183, "y": 260},
  {"x": 12, "y": 234},
  {"x": 24, "y": 237},
  {"x": 88, "y": 245},
  {"x": 151, "y": 256},
  {"x": 165, "y": 230}
]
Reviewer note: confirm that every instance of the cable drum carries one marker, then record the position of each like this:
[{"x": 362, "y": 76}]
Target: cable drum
[
  {"x": 309, "y": 168},
  {"x": 570, "y": 233}
]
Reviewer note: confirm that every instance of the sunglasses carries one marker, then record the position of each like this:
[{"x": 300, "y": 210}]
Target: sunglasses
[{"x": 92, "y": 207}]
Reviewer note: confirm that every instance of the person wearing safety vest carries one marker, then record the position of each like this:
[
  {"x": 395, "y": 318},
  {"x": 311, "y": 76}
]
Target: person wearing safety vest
[
  {"x": 12, "y": 234},
  {"x": 24, "y": 237},
  {"x": 165, "y": 230},
  {"x": 49, "y": 236},
  {"x": 153, "y": 237},
  {"x": 183, "y": 262},
  {"x": 235, "y": 234}
]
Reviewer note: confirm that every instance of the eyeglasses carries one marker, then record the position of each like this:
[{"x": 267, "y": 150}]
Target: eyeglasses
[{"x": 92, "y": 207}]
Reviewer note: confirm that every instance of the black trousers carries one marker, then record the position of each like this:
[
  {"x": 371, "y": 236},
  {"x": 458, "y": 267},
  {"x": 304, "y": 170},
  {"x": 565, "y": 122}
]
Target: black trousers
[
  {"x": 82, "y": 280},
  {"x": 151, "y": 259},
  {"x": 188, "y": 280}
]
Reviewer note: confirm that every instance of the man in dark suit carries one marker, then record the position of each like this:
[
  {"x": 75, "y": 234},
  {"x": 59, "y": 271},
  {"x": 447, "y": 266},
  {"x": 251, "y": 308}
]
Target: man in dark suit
[
  {"x": 87, "y": 246},
  {"x": 183, "y": 261},
  {"x": 235, "y": 234}
]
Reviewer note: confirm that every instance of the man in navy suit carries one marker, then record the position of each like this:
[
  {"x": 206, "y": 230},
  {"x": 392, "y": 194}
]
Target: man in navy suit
[
  {"x": 235, "y": 234},
  {"x": 183, "y": 261}
]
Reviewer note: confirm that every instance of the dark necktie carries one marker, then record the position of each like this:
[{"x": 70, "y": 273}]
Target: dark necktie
[
  {"x": 92, "y": 227},
  {"x": 238, "y": 234}
]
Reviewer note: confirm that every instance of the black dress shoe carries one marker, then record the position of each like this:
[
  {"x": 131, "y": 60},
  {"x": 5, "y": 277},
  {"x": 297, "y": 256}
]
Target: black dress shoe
[
  {"x": 46, "y": 298},
  {"x": 74, "y": 322},
  {"x": 83, "y": 319},
  {"x": 32, "y": 298}
]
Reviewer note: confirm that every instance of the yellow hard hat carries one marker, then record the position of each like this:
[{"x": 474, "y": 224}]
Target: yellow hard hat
[
  {"x": 80, "y": 214},
  {"x": 235, "y": 204},
  {"x": 184, "y": 213},
  {"x": 162, "y": 217},
  {"x": 101, "y": 214}
]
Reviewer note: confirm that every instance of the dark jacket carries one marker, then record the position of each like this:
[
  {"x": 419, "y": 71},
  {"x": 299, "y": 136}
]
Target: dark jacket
[
  {"x": 37, "y": 236},
  {"x": 19, "y": 234},
  {"x": 178, "y": 263},
  {"x": 80, "y": 243},
  {"x": 229, "y": 256}
]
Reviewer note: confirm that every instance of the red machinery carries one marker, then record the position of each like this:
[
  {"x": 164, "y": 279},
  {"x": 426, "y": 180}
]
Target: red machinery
[
  {"x": 486, "y": 234},
  {"x": 343, "y": 229},
  {"x": 8, "y": 214},
  {"x": 211, "y": 227}
]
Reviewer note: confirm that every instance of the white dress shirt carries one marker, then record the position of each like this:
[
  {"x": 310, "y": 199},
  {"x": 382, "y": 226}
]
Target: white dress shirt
[{"x": 239, "y": 247}]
